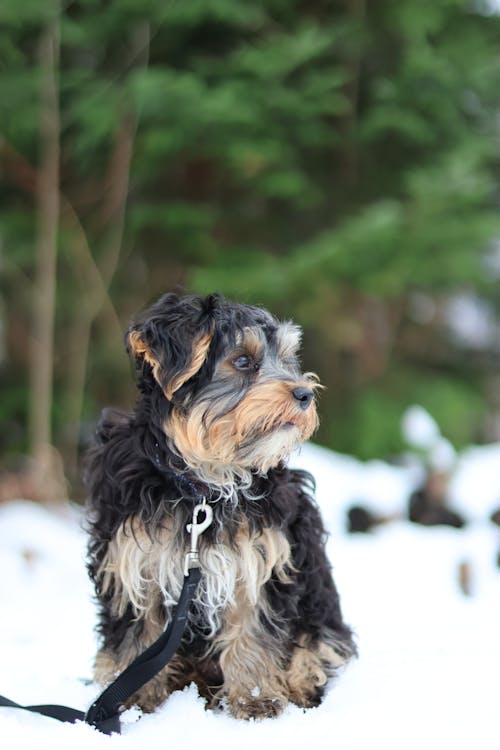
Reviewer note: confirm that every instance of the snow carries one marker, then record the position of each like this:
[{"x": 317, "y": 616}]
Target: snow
[
  {"x": 421, "y": 432},
  {"x": 472, "y": 320},
  {"x": 429, "y": 655},
  {"x": 488, "y": 7},
  {"x": 419, "y": 428}
]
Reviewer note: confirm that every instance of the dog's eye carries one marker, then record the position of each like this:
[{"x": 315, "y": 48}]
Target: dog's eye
[{"x": 243, "y": 362}]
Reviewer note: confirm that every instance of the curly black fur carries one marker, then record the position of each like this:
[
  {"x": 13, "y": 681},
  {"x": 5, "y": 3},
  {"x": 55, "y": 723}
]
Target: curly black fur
[{"x": 136, "y": 471}]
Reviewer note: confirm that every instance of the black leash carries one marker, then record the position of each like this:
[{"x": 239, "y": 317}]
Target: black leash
[
  {"x": 62, "y": 713},
  {"x": 147, "y": 664},
  {"x": 104, "y": 713}
]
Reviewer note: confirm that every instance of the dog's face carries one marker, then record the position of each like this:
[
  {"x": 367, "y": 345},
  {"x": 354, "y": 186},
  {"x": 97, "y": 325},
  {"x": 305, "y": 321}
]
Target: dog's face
[{"x": 238, "y": 401}]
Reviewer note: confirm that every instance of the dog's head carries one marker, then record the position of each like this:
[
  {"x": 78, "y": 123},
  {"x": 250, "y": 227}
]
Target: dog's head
[{"x": 238, "y": 401}]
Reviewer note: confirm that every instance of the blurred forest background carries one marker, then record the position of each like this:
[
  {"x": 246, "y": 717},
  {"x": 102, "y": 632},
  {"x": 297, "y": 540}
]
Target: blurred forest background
[{"x": 335, "y": 160}]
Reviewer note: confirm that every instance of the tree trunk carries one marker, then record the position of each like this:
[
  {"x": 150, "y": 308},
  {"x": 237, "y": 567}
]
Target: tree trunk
[
  {"x": 111, "y": 225},
  {"x": 349, "y": 159},
  {"x": 46, "y": 469}
]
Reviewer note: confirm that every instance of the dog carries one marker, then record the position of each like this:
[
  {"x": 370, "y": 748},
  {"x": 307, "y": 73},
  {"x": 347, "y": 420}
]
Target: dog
[{"x": 222, "y": 403}]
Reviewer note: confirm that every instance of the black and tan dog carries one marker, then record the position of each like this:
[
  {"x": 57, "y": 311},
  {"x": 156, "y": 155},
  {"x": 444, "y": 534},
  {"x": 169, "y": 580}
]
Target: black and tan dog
[{"x": 222, "y": 404}]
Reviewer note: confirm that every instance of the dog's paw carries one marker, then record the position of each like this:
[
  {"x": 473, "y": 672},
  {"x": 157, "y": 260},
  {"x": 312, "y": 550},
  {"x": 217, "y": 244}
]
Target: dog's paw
[
  {"x": 260, "y": 707},
  {"x": 310, "y": 698}
]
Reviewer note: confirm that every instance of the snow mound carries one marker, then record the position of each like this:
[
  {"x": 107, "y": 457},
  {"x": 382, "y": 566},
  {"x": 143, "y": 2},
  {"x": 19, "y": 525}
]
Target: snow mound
[{"x": 429, "y": 655}]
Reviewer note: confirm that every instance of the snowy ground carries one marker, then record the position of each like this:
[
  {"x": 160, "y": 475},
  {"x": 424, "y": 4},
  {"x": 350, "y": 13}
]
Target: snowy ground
[{"x": 427, "y": 675}]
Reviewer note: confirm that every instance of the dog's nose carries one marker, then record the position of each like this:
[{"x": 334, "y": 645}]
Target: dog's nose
[{"x": 304, "y": 396}]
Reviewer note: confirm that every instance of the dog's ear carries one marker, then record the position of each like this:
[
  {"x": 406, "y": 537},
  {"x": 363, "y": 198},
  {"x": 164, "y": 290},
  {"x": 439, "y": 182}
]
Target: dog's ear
[{"x": 173, "y": 338}]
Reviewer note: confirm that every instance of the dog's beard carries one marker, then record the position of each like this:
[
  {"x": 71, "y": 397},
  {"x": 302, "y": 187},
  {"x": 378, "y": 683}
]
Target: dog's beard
[
  {"x": 270, "y": 448},
  {"x": 259, "y": 432}
]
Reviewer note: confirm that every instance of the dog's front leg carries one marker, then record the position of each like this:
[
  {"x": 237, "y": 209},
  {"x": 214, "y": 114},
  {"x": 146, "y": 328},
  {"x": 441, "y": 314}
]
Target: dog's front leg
[
  {"x": 252, "y": 664},
  {"x": 174, "y": 676}
]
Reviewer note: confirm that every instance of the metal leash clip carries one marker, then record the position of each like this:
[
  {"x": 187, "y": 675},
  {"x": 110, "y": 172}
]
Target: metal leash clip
[{"x": 196, "y": 529}]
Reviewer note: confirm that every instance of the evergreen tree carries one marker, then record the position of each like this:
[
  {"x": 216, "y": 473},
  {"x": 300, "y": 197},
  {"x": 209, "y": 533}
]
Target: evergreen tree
[{"x": 333, "y": 160}]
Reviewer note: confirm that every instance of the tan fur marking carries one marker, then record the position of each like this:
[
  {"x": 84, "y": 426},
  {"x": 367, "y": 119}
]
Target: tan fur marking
[
  {"x": 137, "y": 566},
  {"x": 212, "y": 449},
  {"x": 253, "y": 341},
  {"x": 198, "y": 356},
  {"x": 253, "y": 412},
  {"x": 139, "y": 348},
  {"x": 309, "y": 668},
  {"x": 105, "y": 668},
  {"x": 253, "y": 675},
  {"x": 259, "y": 556},
  {"x": 174, "y": 676},
  {"x": 252, "y": 669},
  {"x": 329, "y": 656}
]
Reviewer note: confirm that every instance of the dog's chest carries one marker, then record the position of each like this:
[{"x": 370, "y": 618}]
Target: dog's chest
[
  {"x": 142, "y": 570},
  {"x": 239, "y": 571}
]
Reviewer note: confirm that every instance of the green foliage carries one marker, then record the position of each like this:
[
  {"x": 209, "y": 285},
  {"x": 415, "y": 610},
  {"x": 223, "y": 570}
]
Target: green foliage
[
  {"x": 370, "y": 425},
  {"x": 325, "y": 160},
  {"x": 456, "y": 404}
]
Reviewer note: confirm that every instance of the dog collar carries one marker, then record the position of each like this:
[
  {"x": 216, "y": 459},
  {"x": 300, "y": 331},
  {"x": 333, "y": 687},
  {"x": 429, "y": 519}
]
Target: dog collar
[{"x": 198, "y": 489}]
